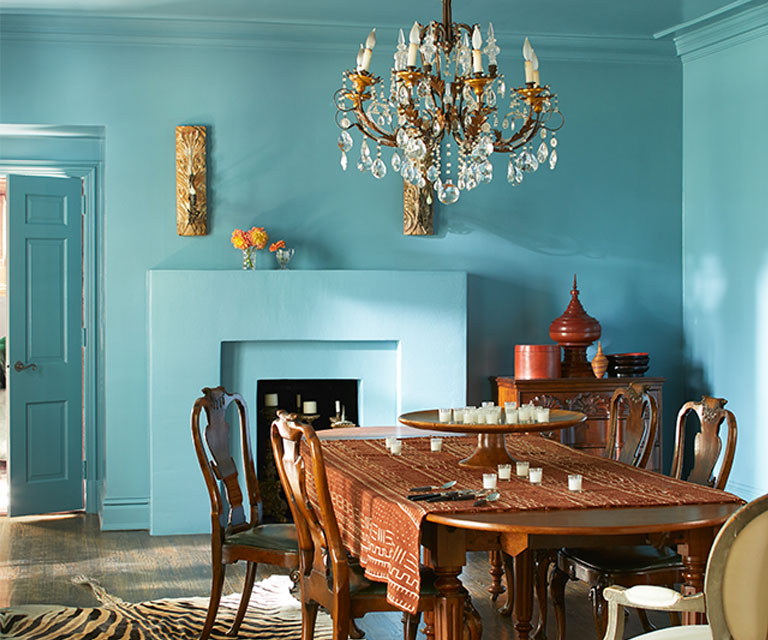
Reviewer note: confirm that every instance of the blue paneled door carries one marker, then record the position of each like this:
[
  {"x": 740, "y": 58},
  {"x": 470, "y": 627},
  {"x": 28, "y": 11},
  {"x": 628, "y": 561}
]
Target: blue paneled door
[{"x": 44, "y": 349}]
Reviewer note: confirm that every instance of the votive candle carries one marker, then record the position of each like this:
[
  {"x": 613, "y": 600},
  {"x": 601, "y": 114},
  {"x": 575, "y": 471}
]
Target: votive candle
[
  {"x": 574, "y": 482},
  {"x": 542, "y": 414},
  {"x": 505, "y": 471},
  {"x": 388, "y": 442},
  {"x": 444, "y": 415},
  {"x": 521, "y": 468},
  {"x": 535, "y": 474},
  {"x": 435, "y": 444},
  {"x": 396, "y": 448},
  {"x": 489, "y": 481},
  {"x": 512, "y": 416},
  {"x": 458, "y": 415}
]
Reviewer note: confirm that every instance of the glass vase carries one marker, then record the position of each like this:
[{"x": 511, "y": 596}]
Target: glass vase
[
  {"x": 283, "y": 257},
  {"x": 248, "y": 258}
]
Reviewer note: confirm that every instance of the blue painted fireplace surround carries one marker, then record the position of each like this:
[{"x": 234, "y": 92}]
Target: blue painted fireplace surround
[{"x": 401, "y": 333}]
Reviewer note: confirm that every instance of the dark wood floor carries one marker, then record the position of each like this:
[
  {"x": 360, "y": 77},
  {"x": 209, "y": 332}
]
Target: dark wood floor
[{"x": 39, "y": 556}]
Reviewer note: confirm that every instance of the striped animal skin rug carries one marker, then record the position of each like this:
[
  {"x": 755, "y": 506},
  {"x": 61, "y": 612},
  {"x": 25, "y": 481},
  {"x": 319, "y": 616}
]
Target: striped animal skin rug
[{"x": 273, "y": 613}]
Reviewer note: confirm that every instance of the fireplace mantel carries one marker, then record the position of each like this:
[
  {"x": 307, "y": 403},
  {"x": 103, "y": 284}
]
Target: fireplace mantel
[{"x": 192, "y": 313}]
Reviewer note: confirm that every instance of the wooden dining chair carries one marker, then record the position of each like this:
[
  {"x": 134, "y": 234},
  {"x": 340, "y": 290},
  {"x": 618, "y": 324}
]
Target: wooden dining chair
[
  {"x": 637, "y": 412},
  {"x": 243, "y": 537},
  {"x": 328, "y": 575},
  {"x": 735, "y": 587},
  {"x": 647, "y": 564}
]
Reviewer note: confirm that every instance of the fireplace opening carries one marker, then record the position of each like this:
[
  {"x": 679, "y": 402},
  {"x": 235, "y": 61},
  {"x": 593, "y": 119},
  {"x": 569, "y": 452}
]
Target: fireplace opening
[{"x": 323, "y": 403}]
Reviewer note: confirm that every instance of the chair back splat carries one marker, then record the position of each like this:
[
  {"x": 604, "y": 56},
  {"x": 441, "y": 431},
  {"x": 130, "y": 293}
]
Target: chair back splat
[
  {"x": 707, "y": 444},
  {"x": 640, "y": 427}
]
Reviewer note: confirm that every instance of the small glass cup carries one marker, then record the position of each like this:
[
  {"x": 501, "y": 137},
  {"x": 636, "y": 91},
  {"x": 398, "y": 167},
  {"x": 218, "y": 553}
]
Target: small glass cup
[
  {"x": 489, "y": 481},
  {"x": 512, "y": 416},
  {"x": 542, "y": 414},
  {"x": 458, "y": 415},
  {"x": 486, "y": 405},
  {"x": 435, "y": 443},
  {"x": 470, "y": 415},
  {"x": 510, "y": 406},
  {"x": 396, "y": 447},
  {"x": 444, "y": 415},
  {"x": 521, "y": 469},
  {"x": 505, "y": 471},
  {"x": 388, "y": 442},
  {"x": 574, "y": 482},
  {"x": 535, "y": 475}
]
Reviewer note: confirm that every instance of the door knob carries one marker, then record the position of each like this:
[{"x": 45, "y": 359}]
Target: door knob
[{"x": 20, "y": 366}]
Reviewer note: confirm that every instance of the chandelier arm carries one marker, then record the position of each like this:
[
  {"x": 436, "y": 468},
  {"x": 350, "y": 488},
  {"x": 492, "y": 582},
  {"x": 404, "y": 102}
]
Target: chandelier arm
[{"x": 367, "y": 126}]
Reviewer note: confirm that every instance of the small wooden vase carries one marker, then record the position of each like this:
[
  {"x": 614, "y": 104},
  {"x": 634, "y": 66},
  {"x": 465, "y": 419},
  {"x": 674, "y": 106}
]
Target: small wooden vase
[{"x": 599, "y": 362}]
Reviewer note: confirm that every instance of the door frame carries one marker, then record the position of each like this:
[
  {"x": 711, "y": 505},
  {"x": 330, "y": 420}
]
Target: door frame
[{"x": 91, "y": 173}]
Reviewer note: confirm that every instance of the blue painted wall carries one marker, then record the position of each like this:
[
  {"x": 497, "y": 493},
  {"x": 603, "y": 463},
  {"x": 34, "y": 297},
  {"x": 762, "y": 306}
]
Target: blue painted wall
[
  {"x": 725, "y": 234},
  {"x": 610, "y": 212}
]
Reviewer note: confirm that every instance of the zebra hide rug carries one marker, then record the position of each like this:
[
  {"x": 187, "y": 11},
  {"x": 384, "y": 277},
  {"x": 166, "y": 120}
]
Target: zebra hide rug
[{"x": 273, "y": 614}]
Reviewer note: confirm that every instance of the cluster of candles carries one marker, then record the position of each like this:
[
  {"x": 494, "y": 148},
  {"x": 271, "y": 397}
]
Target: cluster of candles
[
  {"x": 395, "y": 446},
  {"x": 523, "y": 469},
  {"x": 489, "y": 413}
]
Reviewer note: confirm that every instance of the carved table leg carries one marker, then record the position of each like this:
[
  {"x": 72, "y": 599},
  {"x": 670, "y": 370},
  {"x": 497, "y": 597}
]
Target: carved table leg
[
  {"x": 694, "y": 552},
  {"x": 449, "y": 605},
  {"x": 523, "y": 594},
  {"x": 496, "y": 572},
  {"x": 509, "y": 574}
]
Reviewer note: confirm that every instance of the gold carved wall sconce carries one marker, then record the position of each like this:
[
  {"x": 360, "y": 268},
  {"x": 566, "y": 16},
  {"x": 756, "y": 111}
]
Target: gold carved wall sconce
[{"x": 191, "y": 187}]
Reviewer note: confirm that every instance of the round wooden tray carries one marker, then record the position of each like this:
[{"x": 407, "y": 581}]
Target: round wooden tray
[{"x": 491, "y": 450}]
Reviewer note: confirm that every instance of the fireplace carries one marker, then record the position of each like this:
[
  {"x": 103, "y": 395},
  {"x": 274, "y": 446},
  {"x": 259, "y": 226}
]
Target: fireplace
[{"x": 401, "y": 335}]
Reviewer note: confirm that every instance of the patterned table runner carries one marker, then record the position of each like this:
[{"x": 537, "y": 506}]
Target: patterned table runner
[{"x": 379, "y": 525}]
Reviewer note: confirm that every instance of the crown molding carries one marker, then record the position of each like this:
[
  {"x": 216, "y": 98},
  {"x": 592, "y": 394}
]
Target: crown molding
[
  {"x": 749, "y": 24},
  {"x": 60, "y": 28}
]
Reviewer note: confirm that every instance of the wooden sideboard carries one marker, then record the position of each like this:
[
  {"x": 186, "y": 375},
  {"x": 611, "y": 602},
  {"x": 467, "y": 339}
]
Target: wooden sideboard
[{"x": 590, "y": 396}]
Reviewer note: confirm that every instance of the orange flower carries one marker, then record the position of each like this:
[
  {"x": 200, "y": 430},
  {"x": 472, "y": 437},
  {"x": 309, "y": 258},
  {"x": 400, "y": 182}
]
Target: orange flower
[
  {"x": 239, "y": 240},
  {"x": 277, "y": 245},
  {"x": 258, "y": 237}
]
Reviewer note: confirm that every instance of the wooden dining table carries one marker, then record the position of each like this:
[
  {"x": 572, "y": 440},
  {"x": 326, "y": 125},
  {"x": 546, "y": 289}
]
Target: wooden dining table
[{"x": 391, "y": 535}]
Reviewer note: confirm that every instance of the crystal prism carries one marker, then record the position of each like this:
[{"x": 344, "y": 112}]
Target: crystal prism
[
  {"x": 378, "y": 168},
  {"x": 396, "y": 161},
  {"x": 448, "y": 194},
  {"x": 432, "y": 173},
  {"x": 553, "y": 142},
  {"x": 343, "y": 161},
  {"x": 553, "y": 159},
  {"x": 345, "y": 141},
  {"x": 542, "y": 153},
  {"x": 345, "y": 123}
]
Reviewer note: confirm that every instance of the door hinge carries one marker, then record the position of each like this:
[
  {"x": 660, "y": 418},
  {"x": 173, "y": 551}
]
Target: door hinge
[
  {"x": 84, "y": 337},
  {"x": 85, "y": 469}
]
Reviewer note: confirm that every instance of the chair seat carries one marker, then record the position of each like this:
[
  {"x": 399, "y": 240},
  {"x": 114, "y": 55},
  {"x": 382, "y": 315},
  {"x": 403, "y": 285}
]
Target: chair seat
[
  {"x": 636, "y": 558},
  {"x": 277, "y": 537},
  {"x": 688, "y": 632}
]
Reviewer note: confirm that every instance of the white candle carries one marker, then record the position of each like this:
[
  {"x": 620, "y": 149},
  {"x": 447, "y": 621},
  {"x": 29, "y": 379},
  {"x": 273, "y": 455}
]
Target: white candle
[
  {"x": 535, "y": 69},
  {"x": 528, "y": 56},
  {"x": 521, "y": 468},
  {"x": 470, "y": 415},
  {"x": 338, "y": 407},
  {"x": 298, "y": 401},
  {"x": 310, "y": 407},
  {"x": 388, "y": 442},
  {"x": 458, "y": 415},
  {"x": 509, "y": 406},
  {"x": 435, "y": 444},
  {"x": 397, "y": 447},
  {"x": 413, "y": 47},
  {"x": 370, "y": 43},
  {"x": 489, "y": 481},
  {"x": 512, "y": 416},
  {"x": 477, "y": 44},
  {"x": 444, "y": 415},
  {"x": 574, "y": 482},
  {"x": 485, "y": 405},
  {"x": 359, "y": 58},
  {"x": 505, "y": 471},
  {"x": 270, "y": 400},
  {"x": 542, "y": 414},
  {"x": 535, "y": 474}
]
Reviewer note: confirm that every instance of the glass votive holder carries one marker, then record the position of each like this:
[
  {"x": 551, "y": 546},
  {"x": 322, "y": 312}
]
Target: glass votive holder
[
  {"x": 574, "y": 482},
  {"x": 512, "y": 416},
  {"x": 521, "y": 469},
  {"x": 396, "y": 448},
  {"x": 458, "y": 415},
  {"x": 470, "y": 415},
  {"x": 505, "y": 471},
  {"x": 542, "y": 414},
  {"x": 535, "y": 474},
  {"x": 489, "y": 481},
  {"x": 388, "y": 442},
  {"x": 510, "y": 406},
  {"x": 435, "y": 443},
  {"x": 485, "y": 405},
  {"x": 444, "y": 415}
]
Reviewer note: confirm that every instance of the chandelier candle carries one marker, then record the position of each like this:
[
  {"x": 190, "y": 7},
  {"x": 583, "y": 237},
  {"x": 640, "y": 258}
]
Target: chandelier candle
[{"x": 443, "y": 115}]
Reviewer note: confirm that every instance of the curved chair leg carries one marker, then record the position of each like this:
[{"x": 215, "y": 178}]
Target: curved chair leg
[
  {"x": 245, "y": 598},
  {"x": 496, "y": 572},
  {"x": 557, "y": 582},
  {"x": 411, "y": 625},
  {"x": 543, "y": 559},
  {"x": 217, "y": 582},
  {"x": 599, "y": 608},
  {"x": 509, "y": 577},
  {"x": 308, "y": 617}
]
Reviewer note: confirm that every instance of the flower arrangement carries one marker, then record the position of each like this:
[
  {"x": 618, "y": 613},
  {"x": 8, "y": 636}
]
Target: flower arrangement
[
  {"x": 282, "y": 254},
  {"x": 249, "y": 241},
  {"x": 280, "y": 244}
]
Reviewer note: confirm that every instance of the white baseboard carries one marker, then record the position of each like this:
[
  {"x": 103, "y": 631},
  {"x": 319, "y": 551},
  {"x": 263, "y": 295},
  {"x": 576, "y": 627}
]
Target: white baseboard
[{"x": 125, "y": 514}]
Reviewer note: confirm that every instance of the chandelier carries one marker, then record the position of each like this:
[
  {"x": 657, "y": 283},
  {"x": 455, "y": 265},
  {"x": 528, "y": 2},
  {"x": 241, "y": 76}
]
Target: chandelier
[{"x": 444, "y": 114}]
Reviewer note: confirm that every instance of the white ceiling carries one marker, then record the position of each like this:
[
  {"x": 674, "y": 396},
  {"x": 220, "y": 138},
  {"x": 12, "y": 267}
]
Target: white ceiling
[{"x": 630, "y": 18}]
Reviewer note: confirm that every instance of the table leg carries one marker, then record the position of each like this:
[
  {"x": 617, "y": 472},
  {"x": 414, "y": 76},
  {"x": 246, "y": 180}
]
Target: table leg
[
  {"x": 523, "y": 594},
  {"x": 449, "y": 606},
  {"x": 694, "y": 552}
]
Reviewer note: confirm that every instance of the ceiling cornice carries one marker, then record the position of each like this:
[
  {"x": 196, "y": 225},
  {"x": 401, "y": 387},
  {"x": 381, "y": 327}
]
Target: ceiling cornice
[{"x": 306, "y": 36}]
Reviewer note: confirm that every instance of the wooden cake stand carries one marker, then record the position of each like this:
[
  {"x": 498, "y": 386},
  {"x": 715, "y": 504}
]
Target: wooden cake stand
[{"x": 490, "y": 450}]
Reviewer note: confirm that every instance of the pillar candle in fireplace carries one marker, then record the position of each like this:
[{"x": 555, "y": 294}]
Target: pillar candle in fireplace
[
  {"x": 270, "y": 400},
  {"x": 310, "y": 407}
]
